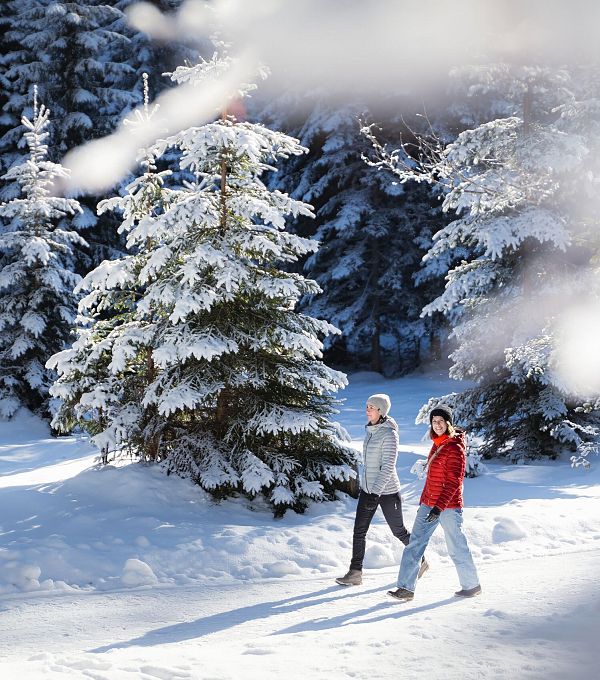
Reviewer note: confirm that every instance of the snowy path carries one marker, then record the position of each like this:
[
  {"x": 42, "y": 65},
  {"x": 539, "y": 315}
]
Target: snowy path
[
  {"x": 237, "y": 595},
  {"x": 530, "y": 622}
]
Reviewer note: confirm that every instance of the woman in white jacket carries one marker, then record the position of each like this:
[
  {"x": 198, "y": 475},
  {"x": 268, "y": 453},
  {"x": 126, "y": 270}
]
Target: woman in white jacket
[{"x": 379, "y": 485}]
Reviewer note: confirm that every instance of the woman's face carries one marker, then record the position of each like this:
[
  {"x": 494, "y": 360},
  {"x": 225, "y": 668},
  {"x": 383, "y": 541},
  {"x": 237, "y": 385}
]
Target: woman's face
[
  {"x": 372, "y": 414},
  {"x": 439, "y": 425}
]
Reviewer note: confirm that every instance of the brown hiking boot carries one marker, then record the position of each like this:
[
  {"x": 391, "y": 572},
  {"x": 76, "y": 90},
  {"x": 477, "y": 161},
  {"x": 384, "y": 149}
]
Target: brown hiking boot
[
  {"x": 401, "y": 594},
  {"x": 469, "y": 592},
  {"x": 352, "y": 578}
]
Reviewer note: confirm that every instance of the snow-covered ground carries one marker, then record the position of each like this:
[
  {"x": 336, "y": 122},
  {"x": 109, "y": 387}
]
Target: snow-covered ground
[{"x": 113, "y": 573}]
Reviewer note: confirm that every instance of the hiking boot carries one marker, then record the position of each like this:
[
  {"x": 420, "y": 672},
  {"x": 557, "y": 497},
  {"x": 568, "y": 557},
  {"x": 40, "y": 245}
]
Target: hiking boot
[
  {"x": 423, "y": 568},
  {"x": 401, "y": 594},
  {"x": 352, "y": 578},
  {"x": 469, "y": 592}
]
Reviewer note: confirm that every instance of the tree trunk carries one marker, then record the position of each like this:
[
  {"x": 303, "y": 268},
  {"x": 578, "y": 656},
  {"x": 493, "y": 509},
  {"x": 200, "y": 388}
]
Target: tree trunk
[
  {"x": 152, "y": 443},
  {"x": 222, "y": 412},
  {"x": 373, "y": 282},
  {"x": 435, "y": 345},
  {"x": 376, "y": 364},
  {"x": 223, "y": 182},
  {"x": 527, "y": 109},
  {"x": 223, "y": 192}
]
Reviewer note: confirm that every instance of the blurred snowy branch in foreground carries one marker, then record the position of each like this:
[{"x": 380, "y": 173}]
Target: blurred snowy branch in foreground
[{"x": 350, "y": 46}]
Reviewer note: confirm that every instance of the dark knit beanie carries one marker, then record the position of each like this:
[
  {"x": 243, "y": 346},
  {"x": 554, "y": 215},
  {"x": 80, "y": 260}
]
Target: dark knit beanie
[{"x": 441, "y": 410}]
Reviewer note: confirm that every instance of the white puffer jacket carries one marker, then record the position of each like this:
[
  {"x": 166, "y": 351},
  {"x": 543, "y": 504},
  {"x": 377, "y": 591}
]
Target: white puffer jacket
[{"x": 380, "y": 452}]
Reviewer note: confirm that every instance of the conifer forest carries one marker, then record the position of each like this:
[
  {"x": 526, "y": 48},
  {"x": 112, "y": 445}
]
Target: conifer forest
[{"x": 198, "y": 244}]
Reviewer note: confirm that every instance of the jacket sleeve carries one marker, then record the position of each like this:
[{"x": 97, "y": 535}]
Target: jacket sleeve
[
  {"x": 388, "y": 462},
  {"x": 453, "y": 475},
  {"x": 360, "y": 467}
]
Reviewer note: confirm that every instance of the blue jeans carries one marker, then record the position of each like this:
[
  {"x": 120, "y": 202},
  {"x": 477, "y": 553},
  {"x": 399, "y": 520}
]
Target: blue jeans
[{"x": 458, "y": 549}]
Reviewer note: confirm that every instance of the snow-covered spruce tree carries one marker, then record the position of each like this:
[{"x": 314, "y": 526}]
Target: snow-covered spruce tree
[
  {"x": 372, "y": 234},
  {"x": 76, "y": 53},
  {"x": 211, "y": 370},
  {"x": 37, "y": 305},
  {"x": 513, "y": 183}
]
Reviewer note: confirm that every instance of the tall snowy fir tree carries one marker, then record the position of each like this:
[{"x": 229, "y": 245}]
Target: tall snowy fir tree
[
  {"x": 76, "y": 53},
  {"x": 516, "y": 184},
  {"x": 210, "y": 368},
  {"x": 37, "y": 305},
  {"x": 373, "y": 233}
]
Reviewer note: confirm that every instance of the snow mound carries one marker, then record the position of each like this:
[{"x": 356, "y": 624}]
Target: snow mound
[
  {"x": 137, "y": 573},
  {"x": 505, "y": 530},
  {"x": 378, "y": 556},
  {"x": 24, "y": 576},
  {"x": 282, "y": 568}
]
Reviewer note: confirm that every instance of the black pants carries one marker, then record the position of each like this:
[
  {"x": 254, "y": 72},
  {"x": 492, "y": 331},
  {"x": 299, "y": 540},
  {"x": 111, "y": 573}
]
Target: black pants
[{"x": 391, "y": 506}]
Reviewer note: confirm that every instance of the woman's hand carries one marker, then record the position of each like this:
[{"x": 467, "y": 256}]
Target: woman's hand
[
  {"x": 371, "y": 501},
  {"x": 434, "y": 514}
]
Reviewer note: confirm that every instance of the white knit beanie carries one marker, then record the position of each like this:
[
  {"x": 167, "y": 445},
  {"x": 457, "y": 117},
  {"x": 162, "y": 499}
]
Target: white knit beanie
[{"x": 381, "y": 402}]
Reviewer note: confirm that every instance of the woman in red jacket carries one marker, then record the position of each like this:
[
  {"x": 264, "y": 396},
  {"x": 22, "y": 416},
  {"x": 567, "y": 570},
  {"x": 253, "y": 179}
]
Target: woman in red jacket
[{"x": 441, "y": 503}]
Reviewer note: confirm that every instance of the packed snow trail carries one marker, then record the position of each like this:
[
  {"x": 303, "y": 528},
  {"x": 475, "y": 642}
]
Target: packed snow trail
[
  {"x": 123, "y": 573},
  {"x": 535, "y": 619}
]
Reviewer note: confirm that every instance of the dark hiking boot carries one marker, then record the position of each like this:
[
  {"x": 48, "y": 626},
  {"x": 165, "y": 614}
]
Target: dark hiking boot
[
  {"x": 352, "y": 578},
  {"x": 423, "y": 568},
  {"x": 401, "y": 594},
  {"x": 469, "y": 592}
]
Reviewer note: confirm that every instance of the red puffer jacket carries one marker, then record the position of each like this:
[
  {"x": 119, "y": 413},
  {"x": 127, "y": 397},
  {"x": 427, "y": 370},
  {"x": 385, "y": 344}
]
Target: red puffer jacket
[{"x": 445, "y": 473}]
